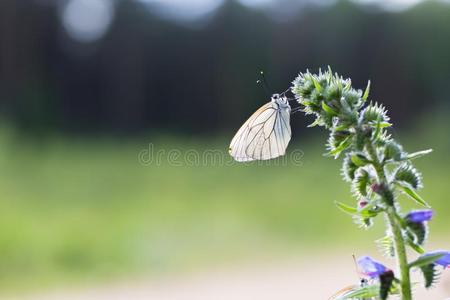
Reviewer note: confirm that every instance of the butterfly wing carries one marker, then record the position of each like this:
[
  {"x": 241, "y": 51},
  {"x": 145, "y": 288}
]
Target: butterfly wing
[
  {"x": 341, "y": 294},
  {"x": 265, "y": 135}
]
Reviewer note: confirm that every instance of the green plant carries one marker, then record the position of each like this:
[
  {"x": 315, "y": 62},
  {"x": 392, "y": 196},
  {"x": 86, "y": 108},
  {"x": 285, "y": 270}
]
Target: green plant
[{"x": 379, "y": 170}]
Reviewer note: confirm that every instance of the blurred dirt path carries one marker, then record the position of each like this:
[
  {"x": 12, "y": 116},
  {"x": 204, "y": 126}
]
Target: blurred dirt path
[{"x": 295, "y": 279}]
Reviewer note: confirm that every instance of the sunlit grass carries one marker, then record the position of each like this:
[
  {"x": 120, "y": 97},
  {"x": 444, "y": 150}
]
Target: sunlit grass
[{"x": 82, "y": 210}]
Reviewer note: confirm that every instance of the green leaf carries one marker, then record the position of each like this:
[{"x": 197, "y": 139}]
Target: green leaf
[
  {"x": 377, "y": 132},
  {"x": 316, "y": 84},
  {"x": 317, "y": 122},
  {"x": 348, "y": 168},
  {"x": 425, "y": 260},
  {"x": 339, "y": 85},
  {"x": 328, "y": 109},
  {"x": 345, "y": 208},
  {"x": 360, "y": 183},
  {"x": 385, "y": 124},
  {"x": 430, "y": 274},
  {"x": 412, "y": 194},
  {"x": 342, "y": 146},
  {"x": 307, "y": 102},
  {"x": 419, "y": 154},
  {"x": 343, "y": 127},
  {"x": 369, "y": 211},
  {"x": 345, "y": 106},
  {"x": 359, "y": 159},
  {"x": 366, "y": 92},
  {"x": 381, "y": 124},
  {"x": 415, "y": 247}
]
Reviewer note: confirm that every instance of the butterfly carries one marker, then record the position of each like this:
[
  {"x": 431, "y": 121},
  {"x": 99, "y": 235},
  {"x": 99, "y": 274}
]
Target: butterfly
[
  {"x": 266, "y": 134},
  {"x": 347, "y": 291},
  {"x": 350, "y": 290}
]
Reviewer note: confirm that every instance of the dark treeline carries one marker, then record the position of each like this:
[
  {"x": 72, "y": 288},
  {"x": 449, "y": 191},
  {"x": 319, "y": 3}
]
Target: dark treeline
[{"x": 147, "y": 74}]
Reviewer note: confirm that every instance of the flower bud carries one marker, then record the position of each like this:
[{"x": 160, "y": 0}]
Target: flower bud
[
  {"x": 377, "y": 188},
  {"x": 338, "y": 141},
  {"x": 333, "y": 92},
  {"x": 360, "y": 183},
  {"x": 362, "y": 203},
  {"x": 393, "y": 151},
  {"x": 353, "y": 97},
  {"x": 384, "y": 192},
  {"x": 374, "y": 113},
  {"x": 407, "y": 173},
  {"x": 348, "y": 168}
]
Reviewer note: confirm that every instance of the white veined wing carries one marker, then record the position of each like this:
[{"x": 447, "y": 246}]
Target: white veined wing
[{"x": 266, "y": 134}]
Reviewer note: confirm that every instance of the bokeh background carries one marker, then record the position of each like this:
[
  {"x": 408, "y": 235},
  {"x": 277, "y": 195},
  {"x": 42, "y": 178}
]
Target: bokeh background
[{"x": 96, "y": 96}]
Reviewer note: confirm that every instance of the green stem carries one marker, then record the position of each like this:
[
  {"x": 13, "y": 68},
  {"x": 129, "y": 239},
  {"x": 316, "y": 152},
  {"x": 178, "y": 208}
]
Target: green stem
[{"x": 400, "y": 249}]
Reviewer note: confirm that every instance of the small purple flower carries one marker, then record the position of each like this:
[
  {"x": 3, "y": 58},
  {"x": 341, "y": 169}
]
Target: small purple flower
[
  {"x": 377, "y": 188},
  {"x": 444, "y": 260},
  {"x": 362, "y": 203},
  {"x": 419, "y": 216},
  {"x": 371, "y": 267}
]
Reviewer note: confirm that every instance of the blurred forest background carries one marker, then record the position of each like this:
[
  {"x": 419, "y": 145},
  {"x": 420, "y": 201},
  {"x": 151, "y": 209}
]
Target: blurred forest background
[
  {"x": 139, "y": 73},
  {"x": 85, "y": 85}
]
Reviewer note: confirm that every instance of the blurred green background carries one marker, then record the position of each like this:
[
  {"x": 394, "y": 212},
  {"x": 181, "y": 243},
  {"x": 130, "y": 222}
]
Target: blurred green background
[{"x": 96, "y": 96}]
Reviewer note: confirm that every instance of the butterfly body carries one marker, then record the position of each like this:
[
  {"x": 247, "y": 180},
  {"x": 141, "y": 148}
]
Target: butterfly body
[{"x": 266, "y": 134}]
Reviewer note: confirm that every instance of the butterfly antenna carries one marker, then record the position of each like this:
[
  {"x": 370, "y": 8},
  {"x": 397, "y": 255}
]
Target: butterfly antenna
[
  {"x": 356, "y": 264},
  {"x": 288, "y": 89},
  {"x": 264, "y": 82}
]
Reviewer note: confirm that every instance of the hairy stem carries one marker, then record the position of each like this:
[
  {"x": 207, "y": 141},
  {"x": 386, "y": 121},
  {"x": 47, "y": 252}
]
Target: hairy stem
[
  {"x": 391, "y": 213},
  {"x": 400, "y": 252}
]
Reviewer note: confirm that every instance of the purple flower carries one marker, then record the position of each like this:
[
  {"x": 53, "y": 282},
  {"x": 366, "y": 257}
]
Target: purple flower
[
  {"x": 444, "y": 260},
  {"x": 371, "y": 267},
  {"x": 362, "y": 203},
  {"x": 377, "y": 188},
  {"x": 419, "y": 216}
]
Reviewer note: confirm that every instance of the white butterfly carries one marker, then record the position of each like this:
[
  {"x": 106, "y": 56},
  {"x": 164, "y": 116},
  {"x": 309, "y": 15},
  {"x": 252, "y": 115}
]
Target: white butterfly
[
  {"x": 266, "y": 134},
  {"x": 349, "y": 290}
]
